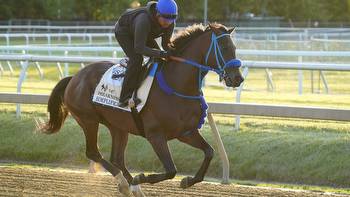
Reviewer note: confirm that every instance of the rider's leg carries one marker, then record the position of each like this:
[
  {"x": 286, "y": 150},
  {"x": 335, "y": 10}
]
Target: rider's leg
[
  {"x": 151, "y": 43},
  {"x": 130, "y": 83},
  {"x": 134, "y": 67}
]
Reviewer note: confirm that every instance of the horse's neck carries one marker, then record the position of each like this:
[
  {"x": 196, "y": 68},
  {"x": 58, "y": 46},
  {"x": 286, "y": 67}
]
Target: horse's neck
[{"x": 182, "y": 77}]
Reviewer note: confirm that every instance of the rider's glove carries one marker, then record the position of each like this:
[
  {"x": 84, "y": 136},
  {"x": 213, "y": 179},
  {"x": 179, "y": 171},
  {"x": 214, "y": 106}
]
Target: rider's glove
[{"x": 167, "y": 54}]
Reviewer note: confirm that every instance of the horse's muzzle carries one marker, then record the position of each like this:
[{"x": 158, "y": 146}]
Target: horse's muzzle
[{"x": 236, "y": 82}]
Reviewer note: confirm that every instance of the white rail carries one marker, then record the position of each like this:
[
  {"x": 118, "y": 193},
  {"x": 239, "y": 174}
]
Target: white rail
[
  {"x": 111, "y": 27},
  {"x": 239, "y": 51},
  {"x": 25, "y": 59},
  {"x": 241, "y": 35},
  {"x": 50, "y": 36}
]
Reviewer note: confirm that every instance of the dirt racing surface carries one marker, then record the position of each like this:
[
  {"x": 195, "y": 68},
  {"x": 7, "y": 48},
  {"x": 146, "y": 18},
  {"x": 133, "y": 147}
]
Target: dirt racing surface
[{"x": 45, "y": 182}]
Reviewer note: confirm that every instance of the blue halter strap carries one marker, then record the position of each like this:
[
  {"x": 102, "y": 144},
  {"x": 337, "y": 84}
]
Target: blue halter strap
[{"x": 214, "y": 45}]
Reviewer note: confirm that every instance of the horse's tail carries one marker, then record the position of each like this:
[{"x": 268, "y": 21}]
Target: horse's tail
[{"x": 56, "y": 108}]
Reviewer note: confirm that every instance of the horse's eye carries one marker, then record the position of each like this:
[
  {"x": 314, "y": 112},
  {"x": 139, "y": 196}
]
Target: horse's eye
[{"x": 224, "y": 46}]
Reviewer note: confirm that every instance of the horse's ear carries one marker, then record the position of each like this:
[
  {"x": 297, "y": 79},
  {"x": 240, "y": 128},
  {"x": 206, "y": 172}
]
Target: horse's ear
[
  {"x": 230, "y": 30},
  {"x": 213, "y": 27},
  {"x": 207, "y": 28},
  {"x": 210, "y": 26}
]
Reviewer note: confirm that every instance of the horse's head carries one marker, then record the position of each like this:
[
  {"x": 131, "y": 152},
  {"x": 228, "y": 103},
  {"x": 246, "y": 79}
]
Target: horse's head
[{"x": 221, "y": 55}]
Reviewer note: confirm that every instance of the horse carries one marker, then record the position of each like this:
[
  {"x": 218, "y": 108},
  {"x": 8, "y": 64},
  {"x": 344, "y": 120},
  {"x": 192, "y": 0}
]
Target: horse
[{"x": 166, "y": 116}]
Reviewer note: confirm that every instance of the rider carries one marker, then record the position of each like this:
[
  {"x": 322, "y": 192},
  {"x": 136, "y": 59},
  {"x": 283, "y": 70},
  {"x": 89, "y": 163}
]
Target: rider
[{"x": 136, "y": 31}]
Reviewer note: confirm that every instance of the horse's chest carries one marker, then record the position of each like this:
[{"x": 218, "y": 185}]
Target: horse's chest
[
  {"x": 184, "y": 116},
  {"x": 189, "y": 114}
]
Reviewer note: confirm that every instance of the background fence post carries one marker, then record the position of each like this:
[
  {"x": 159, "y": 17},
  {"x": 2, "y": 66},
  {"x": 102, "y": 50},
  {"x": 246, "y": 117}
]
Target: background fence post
[
  {"x": 22, "y": 76},
  {"x": 221, "y": 149}
]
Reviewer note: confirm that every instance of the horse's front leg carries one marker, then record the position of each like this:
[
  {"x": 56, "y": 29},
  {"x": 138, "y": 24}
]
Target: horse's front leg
[
  {"x": 160, "y": 147},
  {"x": 194, "y": 139}
]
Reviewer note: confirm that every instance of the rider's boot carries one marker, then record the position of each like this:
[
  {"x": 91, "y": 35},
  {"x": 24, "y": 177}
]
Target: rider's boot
[
  {"x": 130, "y": 85},
  {"x": 127, "y": 100},
  {"x": 125, "y": 95},
  {"x": 137, "y": 101}
]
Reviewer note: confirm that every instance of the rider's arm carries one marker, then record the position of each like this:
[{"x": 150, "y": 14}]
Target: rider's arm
[
  {"x": 142, "y": 29},
  {"x": 167, "y": 36}
]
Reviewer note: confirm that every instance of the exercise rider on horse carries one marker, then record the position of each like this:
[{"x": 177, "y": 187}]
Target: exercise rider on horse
[{"x": 136, "y": 31}]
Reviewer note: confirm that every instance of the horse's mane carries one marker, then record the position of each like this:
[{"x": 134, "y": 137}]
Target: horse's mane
[{"x": 183, "y": 37}]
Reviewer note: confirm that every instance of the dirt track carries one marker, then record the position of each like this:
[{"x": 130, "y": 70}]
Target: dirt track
[{"x": 44, "y": 182}]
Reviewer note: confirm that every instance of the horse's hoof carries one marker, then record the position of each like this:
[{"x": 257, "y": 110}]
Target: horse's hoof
[
  {"x": 136, "y": 191},
  {"x": 138, "y": 179},
  {"x": 185, "y": 182},
  {"x": 124, "y": 189},
  {"x": 123, "y": 185},
  {"x": 93, "y": 167}
]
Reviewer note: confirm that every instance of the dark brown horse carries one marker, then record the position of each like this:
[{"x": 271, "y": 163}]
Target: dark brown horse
[{"x": 165, "y": 116}]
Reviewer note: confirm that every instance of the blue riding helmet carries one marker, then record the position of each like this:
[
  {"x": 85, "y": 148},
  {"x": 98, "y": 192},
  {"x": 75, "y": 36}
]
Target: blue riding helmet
[{"x": 167, "y": 9}]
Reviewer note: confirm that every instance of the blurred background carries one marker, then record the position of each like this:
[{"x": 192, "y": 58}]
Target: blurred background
[
  {"x": 243, "y": 13},
  {"x": 294, "y": 53}
]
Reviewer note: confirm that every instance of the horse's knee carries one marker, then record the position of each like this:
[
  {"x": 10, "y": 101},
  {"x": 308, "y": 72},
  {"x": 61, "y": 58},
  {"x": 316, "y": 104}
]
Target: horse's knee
[
  {"x": 94, "y": 156},
  {"x": 171, "y": 174},
  {"x": 114, "y": 162},
  {"x": 209, "y": 153}
]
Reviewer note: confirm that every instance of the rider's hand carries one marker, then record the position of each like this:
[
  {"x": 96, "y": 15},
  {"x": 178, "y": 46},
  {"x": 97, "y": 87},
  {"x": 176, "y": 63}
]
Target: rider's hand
[
  {"x": 164, "y": 54},
  {"x": 167, "y": 54}
]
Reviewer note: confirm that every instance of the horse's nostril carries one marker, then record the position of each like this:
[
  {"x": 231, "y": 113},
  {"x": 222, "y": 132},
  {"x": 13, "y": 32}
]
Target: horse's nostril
[{"x": 239, "y": 79}]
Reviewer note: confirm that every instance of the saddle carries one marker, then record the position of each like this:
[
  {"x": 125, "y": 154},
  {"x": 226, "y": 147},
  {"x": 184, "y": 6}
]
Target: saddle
[
  {"x": 146, "y": 65},
  {"x": 108, "y": 89}
]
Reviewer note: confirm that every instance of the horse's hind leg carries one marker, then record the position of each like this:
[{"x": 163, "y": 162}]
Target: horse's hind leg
[
  {"x": 194, "y": 139},
  {"x": 160, "y": 146},
  {"x": 90, "y": 128},
  {"x": 119, "y": 142},
  {"x": 92, "y": 152}
]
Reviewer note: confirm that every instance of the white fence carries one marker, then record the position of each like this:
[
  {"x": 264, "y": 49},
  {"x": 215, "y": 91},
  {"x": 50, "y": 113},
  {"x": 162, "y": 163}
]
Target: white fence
[
  {"x": 88, "y": 37},
  {"x": 239, "y": 51},
  {"x": 25, "y": 59},
  {"x": 59, "y": 29},
  {"x": 86, "y": 28},
  {"x": 299, "y": 55},
  {"x": 262, "y": 53},
  {"x": 300, "y": 65},
  {"x": 295, "y": 37},
  {"x": 251, "y": 109}
]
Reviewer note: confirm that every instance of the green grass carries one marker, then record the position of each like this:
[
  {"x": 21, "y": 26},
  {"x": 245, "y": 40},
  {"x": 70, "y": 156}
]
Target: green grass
[{"x": 262, "y": 151}]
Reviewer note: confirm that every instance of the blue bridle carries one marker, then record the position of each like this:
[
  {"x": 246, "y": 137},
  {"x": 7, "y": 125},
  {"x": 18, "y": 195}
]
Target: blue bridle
[
  {"x": 214, "y": 45},
  {"x": 218, "y": 54},
  {"x": 220, "y": 70}
]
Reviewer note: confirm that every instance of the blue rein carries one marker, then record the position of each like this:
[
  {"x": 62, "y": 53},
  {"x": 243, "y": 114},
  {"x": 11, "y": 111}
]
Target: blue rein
[{"x": 202, "y": 69}]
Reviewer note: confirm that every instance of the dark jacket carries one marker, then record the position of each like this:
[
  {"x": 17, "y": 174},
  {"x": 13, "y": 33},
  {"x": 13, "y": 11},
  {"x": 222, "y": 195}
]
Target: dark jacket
[{"x": 141, "y": 24}]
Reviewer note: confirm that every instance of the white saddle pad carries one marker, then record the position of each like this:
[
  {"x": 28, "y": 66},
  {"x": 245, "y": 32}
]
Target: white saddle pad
[{"x": 108, "y": 90}]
